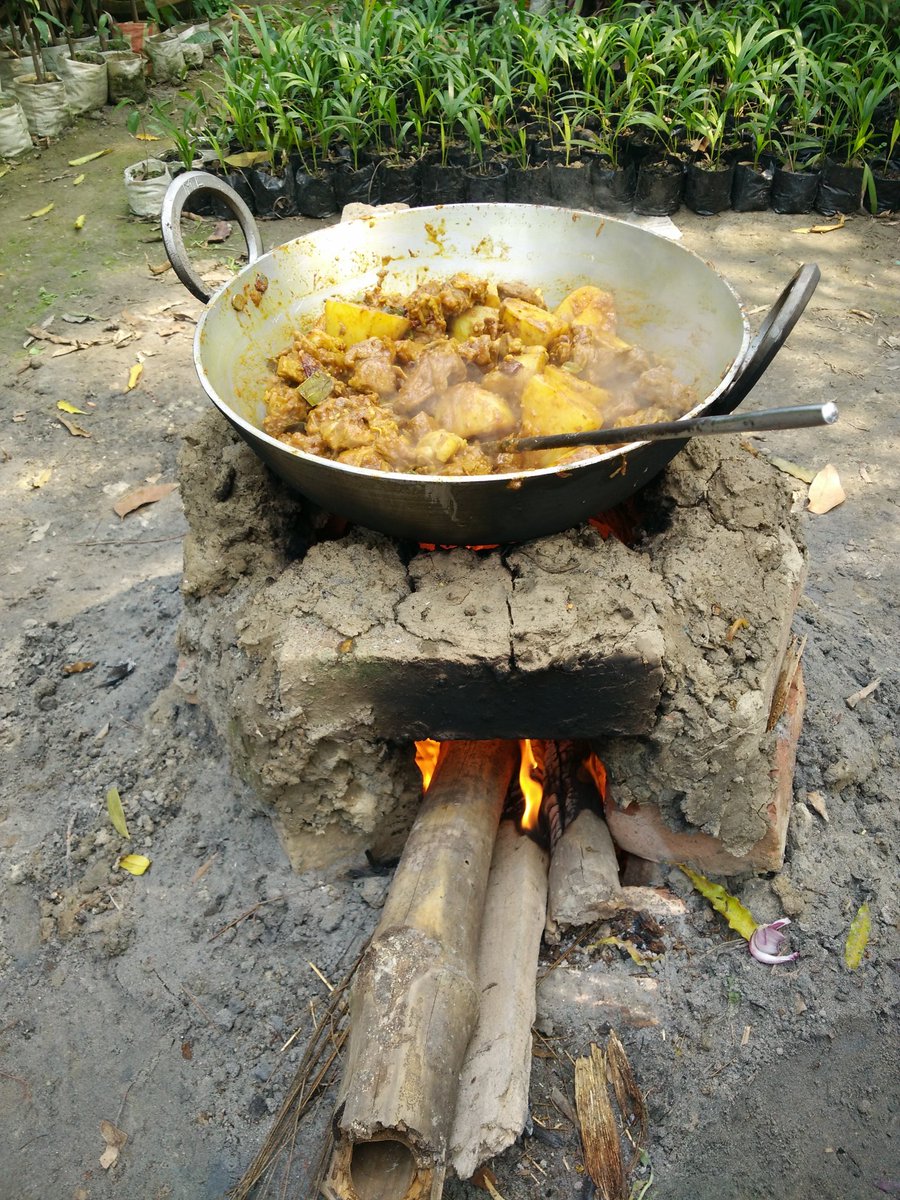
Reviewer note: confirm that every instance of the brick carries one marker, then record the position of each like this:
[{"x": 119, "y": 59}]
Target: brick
[{"x": 642, "y": 830}]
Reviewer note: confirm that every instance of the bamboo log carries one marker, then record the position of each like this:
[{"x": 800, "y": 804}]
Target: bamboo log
[
  {"x": 492, "y": 1101},
  {"x": 415, "y": 1000},
  {"x": 584, "y": 876}
]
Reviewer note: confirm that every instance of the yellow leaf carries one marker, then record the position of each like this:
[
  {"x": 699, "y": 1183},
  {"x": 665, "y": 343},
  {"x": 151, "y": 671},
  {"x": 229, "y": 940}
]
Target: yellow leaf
[
  {"x": 839, "y": 224},
  {"x": 134, "y": 375},
  {"x": 86, "y": 158},
  {"x": 858, "y": 937},
  {"x": 135, "y": 864},
  {"x": 41, "y": 212},
  {"x": 79, "y": 221},
  {"x": 70, "y": 408},
  {"x": 146, "y": 137},
  {"x": 117, "y": 816},
  {"x": 77, "y": 181},
  {"x": 739, "y": 918},
  {"x": 247, "y": 158}
]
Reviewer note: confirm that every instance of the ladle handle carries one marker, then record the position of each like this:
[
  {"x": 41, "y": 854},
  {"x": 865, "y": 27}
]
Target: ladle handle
[
  {"x": 179, "y": 190},
  {"x": 780, "y": 320},
  {"x": 800, "y": 416}
]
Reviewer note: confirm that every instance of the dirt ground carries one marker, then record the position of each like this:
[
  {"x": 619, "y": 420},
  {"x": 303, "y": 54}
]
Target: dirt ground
[{"x": 165, "y": 1003}]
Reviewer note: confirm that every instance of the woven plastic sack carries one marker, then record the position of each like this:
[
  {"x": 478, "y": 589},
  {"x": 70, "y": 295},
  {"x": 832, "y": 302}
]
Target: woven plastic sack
[
  {"x": 166, "y": 59},
  {"x": 193, "y": 54},
  {"x": 145, "y": 186},
  {"x": 86, "y": 80},
  {"x": 126, "y": 77},
  {"x": 44, "y": 104},
  {"x": 11, "y": 68},
  {"x": 54, "y": 56},
  {"x": 14, "y": 136}
]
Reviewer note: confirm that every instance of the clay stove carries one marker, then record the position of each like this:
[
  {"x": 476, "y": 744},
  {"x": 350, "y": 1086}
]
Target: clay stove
[{"x": 322, "y": 659}]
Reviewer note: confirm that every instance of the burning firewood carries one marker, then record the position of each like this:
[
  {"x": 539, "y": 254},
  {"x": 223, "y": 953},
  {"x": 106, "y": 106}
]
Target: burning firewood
[
  {"x": 415, "y": 997},
  {"x": 492, "y": 1102}
]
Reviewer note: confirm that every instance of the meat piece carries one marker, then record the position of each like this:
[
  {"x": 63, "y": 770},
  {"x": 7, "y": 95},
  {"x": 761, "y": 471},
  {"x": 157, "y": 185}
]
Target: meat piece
[
  {"x": 285, "y": 409},
  {"x": 372, "y": 364},
  {"x": 468, "y": 461},
  {"x": 607, "y": 363},
  {"x": 294, "y": 368},
  {"x": 511, "y": 376},
  {"x": 346, "y": 422},
  {"x": 365, "y": 456},
  {"x": 521, "y": 291},
  {"x": 432, "y": 375},
  {"x": 657, "y": 388},
  {"x": 473, "y": 412},
  {"x": 327, "y": 350},
  {"x": 485, "y": 351}
]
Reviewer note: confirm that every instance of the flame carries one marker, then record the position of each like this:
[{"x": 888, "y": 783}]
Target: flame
[
  {"x": 531, "y": 781},
  {"x": 427, "y": 753},
  {"x": 597, "y": 772}
]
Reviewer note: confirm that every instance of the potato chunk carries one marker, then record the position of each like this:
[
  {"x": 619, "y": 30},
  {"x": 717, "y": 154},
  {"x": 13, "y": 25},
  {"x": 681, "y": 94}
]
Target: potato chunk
[
  {"x": 511, "y": 376},
  {"x": 590, "y": 307},
  {"x": 480, "y": 319},
  {"x": 471, "y": 411},
  {"x": 558, "y": 402},
  {"x": 532, "y": 325},
  {"x": 352, "y": 323}
]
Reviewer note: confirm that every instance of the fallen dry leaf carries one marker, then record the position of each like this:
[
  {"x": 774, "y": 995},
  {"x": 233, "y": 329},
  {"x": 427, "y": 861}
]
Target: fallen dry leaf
[
  {"x": 159, "y": 270},
  {"x": 745, "y": 1036},
  {"x": 221, "y": 233},
  {"x": 861, "y": 312},
  {"x": 247, "y": 158},
  {"x": 78, "y": 181},
  {"x": 793, "y": 469},
  {"x": 41, "y": 212},
  {"x": 42, "y": 477},
  {"x": 115, "y": 1139},
  {"x": 75, "y": 430},
  {"x": 146, "y": 137},
  {"x": 825, "y": 491},
  {"x": 117, "y": 812},
  {"x": 864, "y": 474},
  {"x": 816, "y": 802},
  {"x": 853, "y": 700},
  {"x": 79, "y": 221},
  {"x": 86, "y": 158},
  {"x": 134, "y": 375},
  {"x": 839, "y": 224},
  {"x": 78, "y": 668},
  {"x": 735, "y": 626},
  {"x": 141, "y": 496},
  {"x": 38, "y": 534},
  {"x": 65, "y": 406}
]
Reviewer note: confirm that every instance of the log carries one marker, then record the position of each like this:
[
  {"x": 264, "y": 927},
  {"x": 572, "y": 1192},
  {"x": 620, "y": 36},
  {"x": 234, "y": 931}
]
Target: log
[
  {"x": 415, "y": 998},
  {"x": 584, "y": 876},
  {"x": 492, "y": 1101}
]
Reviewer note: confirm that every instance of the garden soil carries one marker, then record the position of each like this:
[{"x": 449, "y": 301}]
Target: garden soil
[{"x": 176, "y": 1005}]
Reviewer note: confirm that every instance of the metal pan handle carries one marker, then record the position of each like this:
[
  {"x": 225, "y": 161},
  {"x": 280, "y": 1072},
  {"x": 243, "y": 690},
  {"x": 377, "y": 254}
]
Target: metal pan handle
[
  {"x": 182, "y": 187},
  {"x": 780, "y": 320}
]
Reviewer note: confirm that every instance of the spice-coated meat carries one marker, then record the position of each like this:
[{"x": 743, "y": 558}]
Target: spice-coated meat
[
  {"x": 432, "y": 375},
  {"x": 467, "y": 369}
]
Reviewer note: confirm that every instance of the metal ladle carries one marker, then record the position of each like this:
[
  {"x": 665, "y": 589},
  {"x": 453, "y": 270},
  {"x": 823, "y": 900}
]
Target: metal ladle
[{"x": 801, "y": 416}]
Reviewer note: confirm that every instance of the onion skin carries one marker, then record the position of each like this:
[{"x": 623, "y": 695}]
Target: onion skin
[{"x": 766, "y": 941}]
